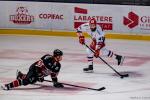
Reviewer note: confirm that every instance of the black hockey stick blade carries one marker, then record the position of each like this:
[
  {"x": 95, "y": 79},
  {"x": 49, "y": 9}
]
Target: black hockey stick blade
[
  {"x": 100, "y": 89},
  {"x": 125, "y": 75}
]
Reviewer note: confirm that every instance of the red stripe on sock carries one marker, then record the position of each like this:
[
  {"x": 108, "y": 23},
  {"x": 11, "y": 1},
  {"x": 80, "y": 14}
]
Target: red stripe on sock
[{"x": 16, "y": 83}]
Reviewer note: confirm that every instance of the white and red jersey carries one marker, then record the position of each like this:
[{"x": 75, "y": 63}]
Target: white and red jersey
[
  {"x": 98, "y": 34},
  {"x": 98, "y": 40}
]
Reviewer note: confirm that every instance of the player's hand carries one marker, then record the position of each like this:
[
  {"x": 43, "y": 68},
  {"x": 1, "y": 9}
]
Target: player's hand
[
  {"x": 58, "y": 85},
  {"x": 40, "y": 79},
  {"x": 101, "y": 45},
  {"x": 82, "y": 40},
  {"x": 97, "y": 52}
]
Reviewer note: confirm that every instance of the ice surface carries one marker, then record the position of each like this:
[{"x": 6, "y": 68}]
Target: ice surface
[{"x": 19, "y": 52}]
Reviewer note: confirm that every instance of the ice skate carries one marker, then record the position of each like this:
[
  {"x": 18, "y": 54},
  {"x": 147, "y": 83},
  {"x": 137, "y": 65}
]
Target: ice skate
[
  {"x": 88, "y": 69},
  {"x": 19, "y": 74},
  {"x": 120, "y": 59},
  {"x": 4, "y": 87}
]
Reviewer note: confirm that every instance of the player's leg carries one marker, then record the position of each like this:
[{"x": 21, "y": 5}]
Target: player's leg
[
  {"x": 28, "y": 79},
  {"x": 109, "y": 53},
  {"x": 20, "y": 75},
  {"x": 12, "y": 84},
  {"x": 18, "y": 82},
  {"x": 90, "y": 61}
]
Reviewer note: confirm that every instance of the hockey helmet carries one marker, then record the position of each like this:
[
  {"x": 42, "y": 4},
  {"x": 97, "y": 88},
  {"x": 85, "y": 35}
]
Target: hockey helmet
[
  {"x": 57, "y": 52},
  {"x": 92, "y": 21}
]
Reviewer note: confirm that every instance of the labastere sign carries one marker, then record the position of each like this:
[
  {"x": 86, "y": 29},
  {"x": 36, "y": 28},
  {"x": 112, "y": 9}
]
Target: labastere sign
[
  {"x": 22, "y": 16},
  {"x": 134, "y": 20},
  {"x": 81, "y": 16}
]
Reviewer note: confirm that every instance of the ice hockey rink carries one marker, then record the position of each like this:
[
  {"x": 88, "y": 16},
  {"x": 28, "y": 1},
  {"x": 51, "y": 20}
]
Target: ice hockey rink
[{"x": 19, "y": 52}]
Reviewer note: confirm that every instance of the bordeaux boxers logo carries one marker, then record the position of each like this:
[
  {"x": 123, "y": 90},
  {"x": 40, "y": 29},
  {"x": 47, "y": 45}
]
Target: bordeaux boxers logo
[
  {"x": 22, "y": 16},
  {"x": 132, "y": 20},
  {"x": 82, "y": 16}
]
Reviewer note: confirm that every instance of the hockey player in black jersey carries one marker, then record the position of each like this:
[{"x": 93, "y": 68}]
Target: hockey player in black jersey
[{"x": 47, "y": 65}]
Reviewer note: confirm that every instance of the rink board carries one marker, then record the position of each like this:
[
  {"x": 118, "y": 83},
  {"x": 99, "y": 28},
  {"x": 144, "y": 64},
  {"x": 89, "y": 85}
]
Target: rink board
[{"x": 126, "y": 36}]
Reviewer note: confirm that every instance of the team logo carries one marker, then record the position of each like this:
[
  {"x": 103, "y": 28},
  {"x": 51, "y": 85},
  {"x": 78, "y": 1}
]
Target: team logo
[
  {"x": 22, "y": 16},
  {"x": 132, "y": 20}
]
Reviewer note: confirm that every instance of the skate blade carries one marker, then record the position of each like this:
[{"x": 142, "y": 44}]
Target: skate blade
[
  {"x": 3, "y": 88},
  {"x": 90, "y": 71}
]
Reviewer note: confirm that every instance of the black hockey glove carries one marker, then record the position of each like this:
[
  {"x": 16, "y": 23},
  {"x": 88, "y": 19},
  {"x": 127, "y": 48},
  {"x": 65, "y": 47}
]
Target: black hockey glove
[
  {"x": 40, "y": 79},
  {"x": 58, "y": 85}
]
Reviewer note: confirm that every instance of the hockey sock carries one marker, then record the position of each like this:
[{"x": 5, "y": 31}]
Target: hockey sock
[
  {"x": 110, "y": 54},
  {"x": 13, "y": 84},
  {"x": 90, "y": 60}
]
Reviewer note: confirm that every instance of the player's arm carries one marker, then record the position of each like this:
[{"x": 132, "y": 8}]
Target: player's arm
[
  {"x": 80, "y": 34},
  {"x": 39, "y": 67},
  {"x": 99, "y": 45},
  {"x": 54, "y": 75},
  {"x": 46, "y": 58},
  {"x": 100, "y": 42}
]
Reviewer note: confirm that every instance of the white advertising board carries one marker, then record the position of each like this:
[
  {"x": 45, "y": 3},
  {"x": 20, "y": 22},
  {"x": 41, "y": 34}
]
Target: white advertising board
[{"x": 64, "y": 16}]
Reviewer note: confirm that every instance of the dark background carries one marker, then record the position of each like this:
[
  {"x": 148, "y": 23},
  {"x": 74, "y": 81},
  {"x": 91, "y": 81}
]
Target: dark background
[{"x": 114, "y": 2}]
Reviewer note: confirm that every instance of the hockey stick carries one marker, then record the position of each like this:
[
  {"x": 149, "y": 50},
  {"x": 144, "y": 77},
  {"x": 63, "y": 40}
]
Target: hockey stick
[
  {"x": 121, "y": 76},
  {"x": 100, "y": 89}
]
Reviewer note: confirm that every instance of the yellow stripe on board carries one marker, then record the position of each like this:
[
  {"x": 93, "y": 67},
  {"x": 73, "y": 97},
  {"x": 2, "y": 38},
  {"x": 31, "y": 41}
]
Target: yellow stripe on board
[
  {"x": 36, "y": 32},
  {"x": 128, "y": 36},
  {"x": 72, "y": 34}
]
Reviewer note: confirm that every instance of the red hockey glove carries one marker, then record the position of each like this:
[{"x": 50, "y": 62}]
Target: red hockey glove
[
  {"x": 97, "y": 52},
  {"x": 82, "y": 40},
  {"x": 101, "y": 45}
]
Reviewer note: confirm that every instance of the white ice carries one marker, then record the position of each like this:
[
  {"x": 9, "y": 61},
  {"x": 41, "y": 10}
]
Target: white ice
[{"x": 19, "y": 52}]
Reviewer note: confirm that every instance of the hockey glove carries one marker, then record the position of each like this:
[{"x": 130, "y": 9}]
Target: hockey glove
[
  {"x": 58, "y": 85},
  {"x": 97, "y": 52},
  {"x": 100, "y": 45},
  {"x": 40, "y": 79},
  {"x": 82, "y": 40}
]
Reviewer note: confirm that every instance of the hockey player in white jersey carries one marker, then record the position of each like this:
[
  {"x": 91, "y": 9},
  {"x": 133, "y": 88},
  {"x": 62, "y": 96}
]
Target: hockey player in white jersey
[{"x": 97, "y": 44}]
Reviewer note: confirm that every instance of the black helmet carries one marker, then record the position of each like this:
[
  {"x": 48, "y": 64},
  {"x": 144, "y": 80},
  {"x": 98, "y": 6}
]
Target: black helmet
[{"x": 57, "y": 52}]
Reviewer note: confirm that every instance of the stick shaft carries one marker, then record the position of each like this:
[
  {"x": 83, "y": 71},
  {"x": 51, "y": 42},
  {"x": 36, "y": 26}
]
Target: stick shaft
[
  {"x": 104, "y": 61},
  {"x": 76, "y": 86}
]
